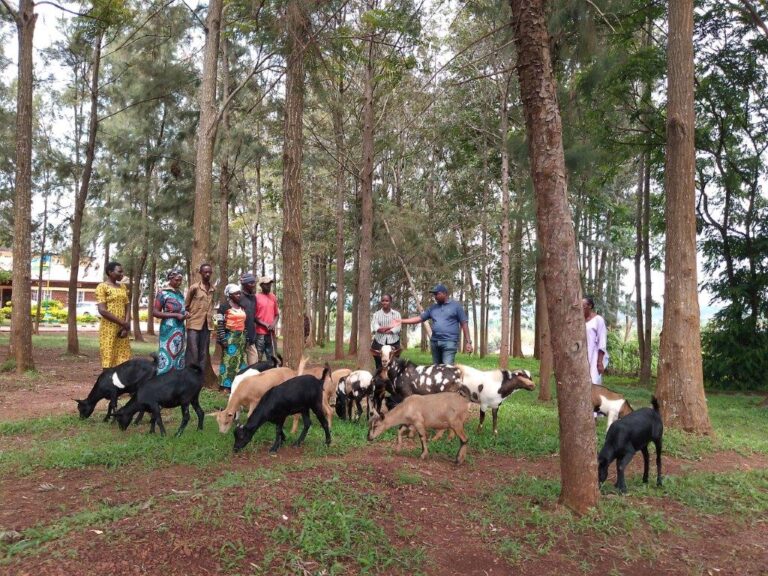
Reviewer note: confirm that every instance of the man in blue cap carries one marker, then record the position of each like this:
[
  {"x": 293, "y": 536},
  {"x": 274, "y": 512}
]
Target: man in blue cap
[{"x": 448, "y": 317}]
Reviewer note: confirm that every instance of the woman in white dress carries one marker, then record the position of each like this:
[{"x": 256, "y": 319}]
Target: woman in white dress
[{"x": 597, "y": 336}]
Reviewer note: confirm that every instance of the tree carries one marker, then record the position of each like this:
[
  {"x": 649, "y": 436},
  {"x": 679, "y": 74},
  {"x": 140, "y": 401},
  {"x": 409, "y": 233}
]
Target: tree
[
  {"x": 21, "y": 321},
  {"x": 578, "y": 456},
  {"x": 680, "y": 386},
  {"x": 206, "y": 137},
  {"x": 292, "y": 315}
]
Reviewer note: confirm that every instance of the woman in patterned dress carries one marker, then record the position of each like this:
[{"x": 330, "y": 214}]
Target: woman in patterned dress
[
  {"x": 169, "y": 307},
  {"x": 230, "y": 333},
  {"x": 112, "y": 302}
]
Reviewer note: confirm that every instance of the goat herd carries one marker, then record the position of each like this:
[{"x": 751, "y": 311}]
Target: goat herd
[{"x": 412, "y": 398}]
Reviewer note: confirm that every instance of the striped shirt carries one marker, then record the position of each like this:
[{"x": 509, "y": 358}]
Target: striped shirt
[{"x": 381, "y": 319}]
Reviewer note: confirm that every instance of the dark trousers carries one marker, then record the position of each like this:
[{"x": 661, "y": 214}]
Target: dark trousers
[{"x": 198, "y": 344}]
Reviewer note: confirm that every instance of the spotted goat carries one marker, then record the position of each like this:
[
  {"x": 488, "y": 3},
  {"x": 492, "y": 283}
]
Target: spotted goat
[
  {"x": 404, "y": 378},
  {"x": 351, "y": 390},
  {"x": 489, "y": 388}
]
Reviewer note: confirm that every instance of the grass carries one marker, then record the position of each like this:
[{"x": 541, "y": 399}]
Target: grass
[{"x": 339, "y": 530}]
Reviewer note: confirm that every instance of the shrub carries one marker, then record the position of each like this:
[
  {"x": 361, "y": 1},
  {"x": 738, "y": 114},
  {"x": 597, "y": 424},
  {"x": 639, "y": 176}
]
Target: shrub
[
  {"x": 735, "y": 355},
  {"x": 624, "y": 357}
]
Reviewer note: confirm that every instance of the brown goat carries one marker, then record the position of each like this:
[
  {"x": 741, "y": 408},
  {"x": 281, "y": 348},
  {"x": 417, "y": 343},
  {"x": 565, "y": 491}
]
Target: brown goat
[
  {"x": 249, "y": 393},
  {"x": 610, "y": 403},
  {"x": 441, "y": 411}
]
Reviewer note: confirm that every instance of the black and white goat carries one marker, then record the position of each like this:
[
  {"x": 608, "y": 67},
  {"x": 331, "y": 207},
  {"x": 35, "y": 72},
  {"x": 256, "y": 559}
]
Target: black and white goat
[
  {"x": 351, "y": 390},
  {"x": 299, "y": 395},
  {"x": 632, "y": 433},
  {"x": 125, "y": 378},
  {"x": 174, "y": 388},
  {"x": 406, "y": 378},
  {"x": 490, "y": 388}
]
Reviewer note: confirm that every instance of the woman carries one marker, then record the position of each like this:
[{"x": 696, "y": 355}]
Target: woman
[
  {"x": 112, "y": 302},
  {"x": 597, "y": 337},
  {"x": 230, "y": 333},
  {"x": 385, "y": 326},
  {"x": 169, "y": 307}
]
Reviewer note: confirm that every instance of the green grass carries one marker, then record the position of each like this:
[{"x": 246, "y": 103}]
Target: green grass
[
  {"x": 34, "y": 539},
  {"x": 338, "y": 529},
  {"x": 742, "y": 495}
]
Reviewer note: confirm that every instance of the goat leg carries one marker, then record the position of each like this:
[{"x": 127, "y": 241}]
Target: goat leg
[
  {"x": 495, "y": 413},
  {"x": 156, "y": 418},
  {"x": 462, "y": 453},
  {"x": 658, "y": 461},
  {"x": 621, "y": 466},
  {"x": 482, "y": 419},
  {"x": 199, "y": 412},
  {"x": 279, "y": 437},
  {"x": 324, "y": 423},
  {"x": 184, "y": 419},
  {"x": 306, "y": 424},
  {"x": 646, "y": 462},
  {"x": 423, "y": 437}
]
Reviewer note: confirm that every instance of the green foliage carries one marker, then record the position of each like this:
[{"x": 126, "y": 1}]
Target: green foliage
[
  {"x": 734, "y": 353},
  {"x": 625, "y": 356}
]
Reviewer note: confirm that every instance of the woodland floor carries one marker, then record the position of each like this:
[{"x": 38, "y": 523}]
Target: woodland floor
[{"x": 181, "y": 519}]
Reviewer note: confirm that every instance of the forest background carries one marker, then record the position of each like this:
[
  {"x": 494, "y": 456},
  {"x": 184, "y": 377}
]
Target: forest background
[{"x": 423, "y": 101}]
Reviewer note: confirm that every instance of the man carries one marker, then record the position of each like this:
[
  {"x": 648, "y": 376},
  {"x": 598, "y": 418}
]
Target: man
[
  {"x": 447, "y": 317},
  {"x": 199, "y": 305},
  {"x": 248, "y": 302},
  {"x": 267, "y": 315},
  {"x": 385, "y": 328}
]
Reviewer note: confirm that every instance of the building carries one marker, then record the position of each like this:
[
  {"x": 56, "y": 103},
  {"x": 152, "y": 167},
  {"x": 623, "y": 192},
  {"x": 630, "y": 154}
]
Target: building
[{"x": 55, "y": 278}]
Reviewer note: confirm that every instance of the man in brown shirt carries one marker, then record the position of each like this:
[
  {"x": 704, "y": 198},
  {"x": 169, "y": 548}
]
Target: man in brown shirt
[{"x": 199, "y": 304}]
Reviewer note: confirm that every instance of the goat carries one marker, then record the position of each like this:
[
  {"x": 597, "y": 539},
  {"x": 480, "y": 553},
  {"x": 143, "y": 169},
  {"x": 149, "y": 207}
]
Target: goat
[
  {"x": 627, "y": 436},
  {"x": 329, "y": 391},
  {"x": 175, "y": 388},
  {"x": 351, "y": 390},
  {"x": 610, "y": 403},
  {"x": 441, "y": 411},
  {"x": 113, "y": 382},
  {"x": 249, "y": 393},
  {"x": 490, "y": 388},
  {"x": 254, "y": 369},
  {"x": 298, "y": 395},
  {"x": 406, "y": 379}
]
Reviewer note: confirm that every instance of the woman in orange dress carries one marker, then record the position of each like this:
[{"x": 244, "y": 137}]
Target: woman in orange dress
[{"x": 112, "y": 300}]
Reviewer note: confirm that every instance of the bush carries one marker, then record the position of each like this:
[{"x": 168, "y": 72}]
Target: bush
[
  {"x": 624, "y": 357},
  {"x": 735, "y": 356}
]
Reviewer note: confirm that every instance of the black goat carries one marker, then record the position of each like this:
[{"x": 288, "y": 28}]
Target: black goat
[
  {"x": 264, "y": 365},
  {"x": 125, "y": 378},
  {"x": 628, "y": 435},
  {"x": 298, "y": 395},
  {"x": 174, "y": 388}
]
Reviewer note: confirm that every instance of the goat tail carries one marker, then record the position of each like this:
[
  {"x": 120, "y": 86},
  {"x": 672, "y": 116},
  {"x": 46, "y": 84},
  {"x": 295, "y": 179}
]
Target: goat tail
[
  {"x": 655, "y": 403},
  {"x": 302, "y": 365},
  {"x": 326, "y": 372},
  {"x": 155, "y": 358}
]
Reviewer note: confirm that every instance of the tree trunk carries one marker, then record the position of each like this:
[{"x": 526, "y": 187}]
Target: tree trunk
[
  {"x": 578, "y": 456},
  {"x": 638, "y": 261},
  {"x": 21, "y": 320},
  {"x": 646, "y": 360},
  {"x": 206, "y": 138},
  {"x": 517, "y": 283},
  {"x": 137, "y": 271},
  {"x": 366, "y": 208},
  {"x": 42, "y": 263},
  {"x": 338, "y": 132},
  {"x": 484, "y": 261},
  {"x": 73, "y": 345},
  {"x": 151, "y": 287},
  {"x": 680, "y": 387},
  {"x": 504, "y": 128},
  {"x": 322, "y": 299},
  {"x": 293, "y": 296},
  {"x": 544, "y": 337}
]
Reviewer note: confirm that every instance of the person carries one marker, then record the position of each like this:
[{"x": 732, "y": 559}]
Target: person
[
  {"x": 230, "y": 334},
  {"x": 385, "y": 328},
  {"x": 199, "y": 304},
  {"x": 448, "y": 318},
  {"x": 266, "y": 317},
  {"x": 597, "y": 338},
  {"x": 112, "y": 303},
  {"x": 248, "y": 302},
  {"x": 169, "y": 307}
]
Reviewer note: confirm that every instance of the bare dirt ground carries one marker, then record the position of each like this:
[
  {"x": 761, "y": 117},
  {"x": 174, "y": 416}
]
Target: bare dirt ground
[{"x": 163, "y": 537}]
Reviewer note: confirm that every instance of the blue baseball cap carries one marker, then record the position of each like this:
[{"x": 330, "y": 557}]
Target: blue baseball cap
[{"x": 439, "y": 288}]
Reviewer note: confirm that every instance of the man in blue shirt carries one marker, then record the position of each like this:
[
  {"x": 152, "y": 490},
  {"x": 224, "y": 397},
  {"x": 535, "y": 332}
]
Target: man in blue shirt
[{"x": 448, "y": 317}]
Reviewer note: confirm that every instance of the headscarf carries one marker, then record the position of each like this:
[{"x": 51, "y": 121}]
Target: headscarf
[{"x": 231, "y": 289}]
